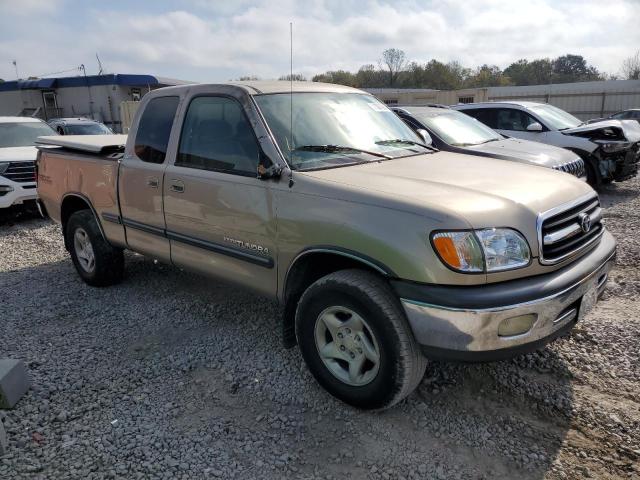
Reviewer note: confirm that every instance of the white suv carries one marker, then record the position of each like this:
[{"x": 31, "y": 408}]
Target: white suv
[
  {"x": 17, "y": 158},
  {"x": 610, "y": 149}
]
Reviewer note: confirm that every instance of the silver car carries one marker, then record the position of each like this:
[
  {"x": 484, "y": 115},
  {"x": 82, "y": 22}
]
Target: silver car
[{"x": 610, "y": 149}]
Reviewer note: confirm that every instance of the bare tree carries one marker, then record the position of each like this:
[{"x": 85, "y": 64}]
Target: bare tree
[
  {"x": 631, "y": 67},
  {"x": 395, "y": 61}
]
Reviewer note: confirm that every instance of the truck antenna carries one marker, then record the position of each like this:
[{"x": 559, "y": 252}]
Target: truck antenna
[{"x": 291, "y": 146}]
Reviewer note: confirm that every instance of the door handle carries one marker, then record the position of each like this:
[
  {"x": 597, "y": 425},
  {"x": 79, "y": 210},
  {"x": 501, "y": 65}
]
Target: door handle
[
  {"x": 177, "y": 186},
  {"x": 152, "y": 182}
]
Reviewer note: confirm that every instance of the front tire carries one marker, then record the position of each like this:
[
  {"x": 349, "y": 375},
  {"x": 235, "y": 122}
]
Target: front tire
[
  {"x": 98, "y": 263},
  {"x": 356, "y": 341}
]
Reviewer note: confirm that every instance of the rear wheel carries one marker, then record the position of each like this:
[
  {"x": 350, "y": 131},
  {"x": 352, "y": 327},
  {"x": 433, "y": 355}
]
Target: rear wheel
[
  {"x": 98, "y": 263},
  {"x": 356, "y": 341}
]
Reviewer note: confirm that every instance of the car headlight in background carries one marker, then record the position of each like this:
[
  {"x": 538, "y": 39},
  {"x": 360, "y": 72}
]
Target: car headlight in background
[
  {"x": 486, "y": 250},
  {"x": 3, "y": 167},
  {"x": 609, "y": 146}
]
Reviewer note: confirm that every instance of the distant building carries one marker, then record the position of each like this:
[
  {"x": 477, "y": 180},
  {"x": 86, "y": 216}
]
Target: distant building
[
  {"x": 585, "y": 100},
  {"x": 94, "y": 96}
]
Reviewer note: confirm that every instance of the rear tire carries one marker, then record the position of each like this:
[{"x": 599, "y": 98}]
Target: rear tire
[
  {"x": 98, "y": 263},
  {"x": 356, "y": 341}
]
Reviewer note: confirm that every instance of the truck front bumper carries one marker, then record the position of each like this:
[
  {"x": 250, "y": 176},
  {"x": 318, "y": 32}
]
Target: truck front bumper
[
  {"x": 12, "y": 193},
  {"x": 477, "y": 323}
]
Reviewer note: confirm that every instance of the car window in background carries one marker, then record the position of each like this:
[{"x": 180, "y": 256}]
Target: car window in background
[
  {"x": 619, "y": 115},
  {"x": 512, "y": 119},
  {"x": 351, "y": 120},
  {"x": 154, "y": 129},
  {"x": 88, "y": 129},
  {"x": 484, "y": 115},
  {"x": 555, "y": 118},
  {"x": 23, "y": 134},
  {"x": 456, "y": 128},
  {"x": 217, "y": 136}
]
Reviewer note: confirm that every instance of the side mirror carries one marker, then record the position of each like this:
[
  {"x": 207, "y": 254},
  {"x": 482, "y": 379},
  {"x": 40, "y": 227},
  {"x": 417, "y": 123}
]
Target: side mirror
[
  {"x": 426, "y": 138},
  {"x": 534, "y": 127}
]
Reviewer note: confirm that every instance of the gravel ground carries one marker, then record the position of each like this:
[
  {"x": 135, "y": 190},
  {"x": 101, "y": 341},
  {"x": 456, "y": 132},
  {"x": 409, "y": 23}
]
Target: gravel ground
[{"x": 170, "y": 375}]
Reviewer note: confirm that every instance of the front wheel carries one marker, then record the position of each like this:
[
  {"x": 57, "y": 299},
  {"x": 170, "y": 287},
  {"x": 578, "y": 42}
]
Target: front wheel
[
  {"x": 98, "y": 263},
  {"x": 356, "y": 341}
]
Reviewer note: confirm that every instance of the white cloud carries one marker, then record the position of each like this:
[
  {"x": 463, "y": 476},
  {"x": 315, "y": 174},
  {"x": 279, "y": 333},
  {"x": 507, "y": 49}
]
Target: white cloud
[{"x": 215, "y": 40}]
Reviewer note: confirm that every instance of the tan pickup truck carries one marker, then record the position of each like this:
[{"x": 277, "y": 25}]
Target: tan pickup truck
[{"x": 382, "y": 250}]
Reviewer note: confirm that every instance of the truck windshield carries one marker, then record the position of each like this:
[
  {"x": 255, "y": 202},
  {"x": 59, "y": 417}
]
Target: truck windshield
[
  {"x": 556, "y": 118},
  {"x": 455, "y": 128},
  {"x": 336, "y": 129},
  {"x": 88, "y": 129},
  {"x": 23, "y": 134}
]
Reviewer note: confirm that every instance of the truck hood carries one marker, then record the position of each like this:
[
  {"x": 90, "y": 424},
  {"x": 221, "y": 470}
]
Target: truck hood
[
  {"x": 525, "y": 151},
  {"x": 18, "y": 154},
  {"x": 447, "y": 186},
  {"x": 628, "y": 130}
]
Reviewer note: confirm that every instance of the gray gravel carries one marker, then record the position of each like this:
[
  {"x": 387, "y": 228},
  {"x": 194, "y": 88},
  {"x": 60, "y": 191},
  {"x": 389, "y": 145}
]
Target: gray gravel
[{"x": 170, "y": 375}]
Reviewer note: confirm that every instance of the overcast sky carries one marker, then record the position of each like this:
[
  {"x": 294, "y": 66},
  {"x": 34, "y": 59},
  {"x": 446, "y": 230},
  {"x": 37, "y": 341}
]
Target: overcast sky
[{"x": 211, "y": 40}]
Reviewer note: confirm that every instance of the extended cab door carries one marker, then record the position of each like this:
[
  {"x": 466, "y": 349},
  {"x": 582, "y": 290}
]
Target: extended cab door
[
  {"x": 219, "y": 216},
  {"x": 141, "y": 179}
]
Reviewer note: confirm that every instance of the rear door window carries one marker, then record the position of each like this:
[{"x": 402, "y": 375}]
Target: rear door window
[
  {"x": 512, "y": 119},
  {"x": 154, "y": 129},
  {"x": 484, "y": 115}
]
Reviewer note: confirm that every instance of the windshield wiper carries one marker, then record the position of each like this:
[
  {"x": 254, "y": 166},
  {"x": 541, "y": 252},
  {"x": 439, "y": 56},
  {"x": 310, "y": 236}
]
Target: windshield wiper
[
  {"x": 339, "y": 149},
  {"x": 408, "y": 142}
]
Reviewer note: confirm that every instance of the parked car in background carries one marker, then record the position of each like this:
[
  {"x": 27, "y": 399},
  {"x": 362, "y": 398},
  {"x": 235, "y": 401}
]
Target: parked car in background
[
  {"x": 380, "y": 248},
  {"x": 631, "y": 114},
  {"x": 17, "y": 158},
  {"x": 454, "y": 131},
  {"x": 610, "y": 149},
  {"x": 79, "y": 126}
]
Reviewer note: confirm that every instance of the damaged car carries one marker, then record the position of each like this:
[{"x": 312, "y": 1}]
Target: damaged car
[{"x": 610, "y": 149}]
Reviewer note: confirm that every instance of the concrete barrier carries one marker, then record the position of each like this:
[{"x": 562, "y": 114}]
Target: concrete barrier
[{"x": 14, "y": 382}]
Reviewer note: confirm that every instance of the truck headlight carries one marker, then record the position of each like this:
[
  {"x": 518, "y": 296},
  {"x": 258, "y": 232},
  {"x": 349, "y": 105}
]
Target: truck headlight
[
  {"x": 612, "y": 146},
  {"x": 487, "y": 250}
]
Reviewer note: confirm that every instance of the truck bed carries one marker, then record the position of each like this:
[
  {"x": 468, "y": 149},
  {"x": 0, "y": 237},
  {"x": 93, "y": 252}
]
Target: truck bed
[{"x": 66, "y": 173}]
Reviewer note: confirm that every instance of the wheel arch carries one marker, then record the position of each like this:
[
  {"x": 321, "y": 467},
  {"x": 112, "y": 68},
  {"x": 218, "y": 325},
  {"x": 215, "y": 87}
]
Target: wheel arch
[
  {"x": 312, "y": 264},
  {"x": 72, "y": 203},
  {"x": 591, "y": 162}
]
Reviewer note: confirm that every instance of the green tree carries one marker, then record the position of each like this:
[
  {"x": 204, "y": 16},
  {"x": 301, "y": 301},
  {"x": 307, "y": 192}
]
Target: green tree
[
  {"x": 296, "y": 77},
  {"x": 573, "y": 68},
  {"x": 487, "y": 76},
  {"x": 341, "y": 77},
  {"x": 370, "y": 77}
]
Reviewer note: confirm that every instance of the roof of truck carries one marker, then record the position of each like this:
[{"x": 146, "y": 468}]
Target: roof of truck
[{"x": 277, "y": 86}]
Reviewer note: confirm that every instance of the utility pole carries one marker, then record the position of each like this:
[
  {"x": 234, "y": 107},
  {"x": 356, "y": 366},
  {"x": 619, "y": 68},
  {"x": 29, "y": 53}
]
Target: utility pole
[
  {"x": 15, "y": 65},
  {"x": 84, "y": 72}
]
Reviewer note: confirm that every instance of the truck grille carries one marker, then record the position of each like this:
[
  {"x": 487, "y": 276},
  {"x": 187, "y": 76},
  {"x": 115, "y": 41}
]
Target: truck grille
[
  {"x": 566, "y": 231},
  {"x": 21, "y": 172},
  {"x": 575, "y": 168}
]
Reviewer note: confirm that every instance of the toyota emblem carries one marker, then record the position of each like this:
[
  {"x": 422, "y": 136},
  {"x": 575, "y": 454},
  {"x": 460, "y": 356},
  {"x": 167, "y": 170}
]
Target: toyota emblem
[{"x": 585, "y": 222}]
